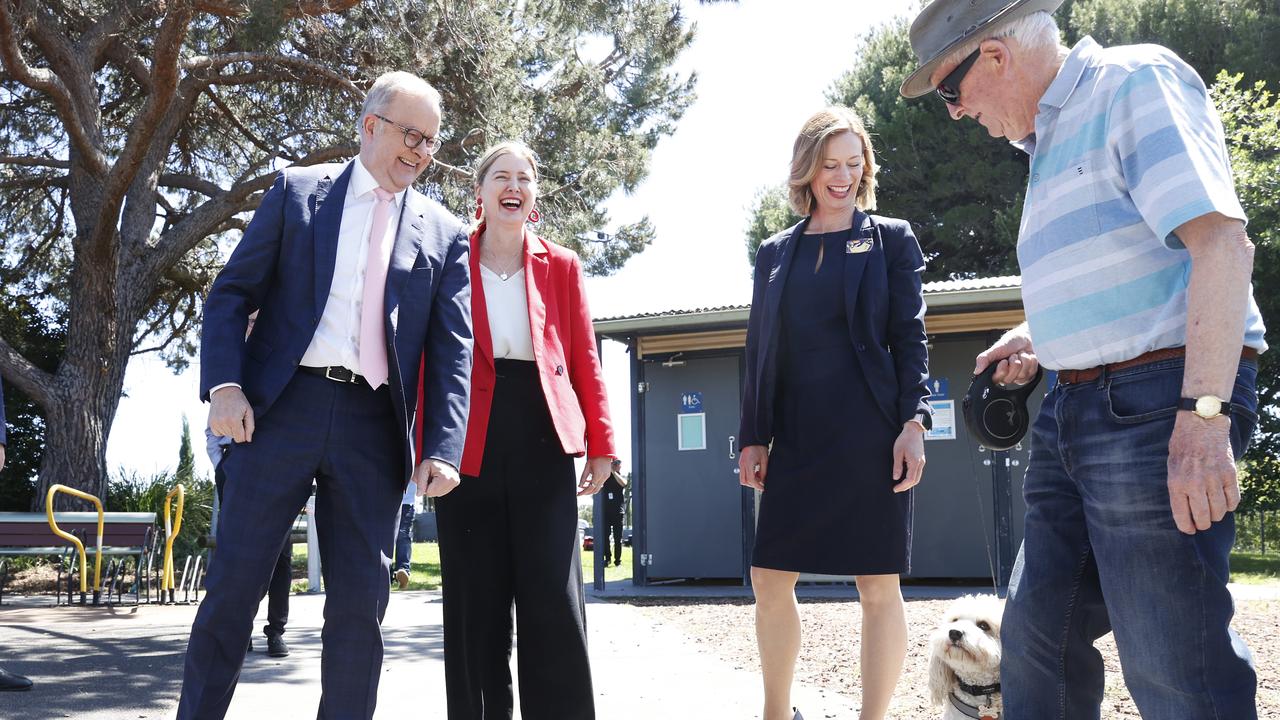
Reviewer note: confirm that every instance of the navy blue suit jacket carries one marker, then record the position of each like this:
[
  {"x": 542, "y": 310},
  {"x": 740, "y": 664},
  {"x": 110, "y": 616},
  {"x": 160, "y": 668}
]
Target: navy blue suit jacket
[
  {"x": 283, "y": 267},
  {"x": 885, "y": 307}
]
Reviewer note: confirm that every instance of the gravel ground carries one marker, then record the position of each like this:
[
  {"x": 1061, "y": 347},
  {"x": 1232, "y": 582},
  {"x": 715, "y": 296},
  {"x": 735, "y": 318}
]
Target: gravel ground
[{"x": 829, "y": 655}]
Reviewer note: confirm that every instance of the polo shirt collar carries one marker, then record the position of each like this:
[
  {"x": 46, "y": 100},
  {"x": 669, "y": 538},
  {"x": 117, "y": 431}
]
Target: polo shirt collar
[{"x": 1081, "y": 56}]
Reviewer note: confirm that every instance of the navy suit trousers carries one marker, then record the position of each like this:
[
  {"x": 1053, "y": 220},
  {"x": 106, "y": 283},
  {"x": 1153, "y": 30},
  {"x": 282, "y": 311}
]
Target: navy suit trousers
[{"x": 344, "y": 436}]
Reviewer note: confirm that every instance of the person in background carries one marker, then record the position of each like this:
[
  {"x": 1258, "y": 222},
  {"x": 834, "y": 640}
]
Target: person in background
[
  {"x": 404, "y": 537},
  {"x": 282, "y": 575},
  {"x": 614, "y": 505}
]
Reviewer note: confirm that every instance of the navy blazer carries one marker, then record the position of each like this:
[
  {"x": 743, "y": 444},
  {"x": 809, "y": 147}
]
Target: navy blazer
[
  {"x": 283, "y": 267},
  {"x": 885, "y": 307}
]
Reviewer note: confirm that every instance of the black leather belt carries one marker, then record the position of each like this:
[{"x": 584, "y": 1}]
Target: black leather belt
[{"x": 336, "y": 373}]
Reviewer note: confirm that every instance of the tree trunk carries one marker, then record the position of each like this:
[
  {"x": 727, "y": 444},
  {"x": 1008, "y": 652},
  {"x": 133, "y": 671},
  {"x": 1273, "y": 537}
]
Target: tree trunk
[{"x": 75, "y": 450}]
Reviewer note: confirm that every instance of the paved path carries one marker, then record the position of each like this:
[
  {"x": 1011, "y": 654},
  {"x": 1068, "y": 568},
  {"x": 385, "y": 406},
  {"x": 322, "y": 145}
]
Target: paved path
[{"x": 126, "y": 663}]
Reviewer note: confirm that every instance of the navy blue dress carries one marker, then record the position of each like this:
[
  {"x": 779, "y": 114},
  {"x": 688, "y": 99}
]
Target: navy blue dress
[{"x": 828, "y": 505}]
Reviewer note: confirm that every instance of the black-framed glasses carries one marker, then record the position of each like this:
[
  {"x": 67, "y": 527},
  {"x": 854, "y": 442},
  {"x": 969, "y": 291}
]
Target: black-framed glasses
[
  {"x": 414, "y": 138},
  {"x": 949, "y": 88}
]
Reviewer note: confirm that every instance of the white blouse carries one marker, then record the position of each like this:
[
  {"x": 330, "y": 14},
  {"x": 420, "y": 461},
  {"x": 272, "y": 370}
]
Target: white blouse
[{"x": 508, "y": 307}]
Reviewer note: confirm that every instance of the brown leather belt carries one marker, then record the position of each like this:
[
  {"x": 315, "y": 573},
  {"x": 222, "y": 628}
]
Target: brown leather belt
[{"x": 1071, "y": 377}]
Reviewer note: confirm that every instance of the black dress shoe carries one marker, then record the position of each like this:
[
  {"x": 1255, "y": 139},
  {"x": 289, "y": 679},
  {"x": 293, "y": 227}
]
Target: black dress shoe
[
  {"x": 276, "y": 646},
  {"x": 9, "y": 681}
]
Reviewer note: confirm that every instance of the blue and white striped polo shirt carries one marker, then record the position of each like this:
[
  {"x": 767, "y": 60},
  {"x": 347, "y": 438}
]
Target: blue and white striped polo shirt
[{"x": 1127, "y": 147}]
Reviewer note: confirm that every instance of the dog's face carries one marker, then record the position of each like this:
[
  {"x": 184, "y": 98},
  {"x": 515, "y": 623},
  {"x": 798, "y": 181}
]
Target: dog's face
[{"x": 966, "y": 644}]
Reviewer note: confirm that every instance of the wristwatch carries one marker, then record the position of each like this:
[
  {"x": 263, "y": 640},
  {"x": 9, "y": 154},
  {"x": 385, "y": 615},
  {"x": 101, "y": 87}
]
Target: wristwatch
[
  {"x": 1206, "y": 406},
  {"x": 923, "y": 420}
]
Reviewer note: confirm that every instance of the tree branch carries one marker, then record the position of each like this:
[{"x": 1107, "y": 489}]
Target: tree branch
[
  {"x": 192, "y": 183},
  {"x": 301, "y": 8},
  {"x": 47, "y": 82},
  {"x": 35, "y": 161},
  {"x": 24, "y": 375},
  {"x": 164, "y": 85},
  {"x": 308, "y": 70}
]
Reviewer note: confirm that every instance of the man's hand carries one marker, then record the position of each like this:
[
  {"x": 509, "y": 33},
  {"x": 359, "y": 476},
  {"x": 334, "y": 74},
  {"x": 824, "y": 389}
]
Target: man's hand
[
  {"x": 1, "y": 457},
  {"x": 230, "y": 414},
  {"x": 594, "y": 475},
  {"x": 753, "y": 465},
  {"x": 908, "y": 450},
  {"x": 1017, "y": 358},
  {"x": 435, "y": 478},
  {"x": 1202, "y": 472}
]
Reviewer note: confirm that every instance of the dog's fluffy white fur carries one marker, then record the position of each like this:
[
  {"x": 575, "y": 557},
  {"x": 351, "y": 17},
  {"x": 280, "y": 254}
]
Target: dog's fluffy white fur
[{"x": 966, "y": 645}]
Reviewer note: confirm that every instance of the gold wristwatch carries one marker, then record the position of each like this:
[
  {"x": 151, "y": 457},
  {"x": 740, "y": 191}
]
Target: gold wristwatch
[{"x": 1206, "y": 406}]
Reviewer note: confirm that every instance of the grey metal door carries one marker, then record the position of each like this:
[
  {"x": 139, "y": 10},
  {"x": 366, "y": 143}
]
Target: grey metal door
[
  {"x": 693, "y": 502},
  {"x": 955, "y": 517}
]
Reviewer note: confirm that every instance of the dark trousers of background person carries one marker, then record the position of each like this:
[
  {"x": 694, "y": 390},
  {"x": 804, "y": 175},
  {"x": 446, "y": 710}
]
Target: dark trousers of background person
[
  {"x": 281, "y": 576},
  {"x": 344, "y": 437},
  {"x": 510, "y": 536},
  {"x": 612, "y": 536},
  {"x": 404, "y": 539}
]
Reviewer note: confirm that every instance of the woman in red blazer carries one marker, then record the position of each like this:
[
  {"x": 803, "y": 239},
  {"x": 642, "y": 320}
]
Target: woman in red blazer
[{"x": 508, "y": 533}]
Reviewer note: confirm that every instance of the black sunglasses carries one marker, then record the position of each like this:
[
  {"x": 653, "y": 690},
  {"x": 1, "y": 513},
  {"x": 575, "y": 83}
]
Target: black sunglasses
[{"x": 949, "y": 88}]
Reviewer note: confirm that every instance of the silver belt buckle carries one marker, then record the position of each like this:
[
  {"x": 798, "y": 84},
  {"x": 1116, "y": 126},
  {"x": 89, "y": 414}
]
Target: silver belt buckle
[{"x": 328, "y": 374}]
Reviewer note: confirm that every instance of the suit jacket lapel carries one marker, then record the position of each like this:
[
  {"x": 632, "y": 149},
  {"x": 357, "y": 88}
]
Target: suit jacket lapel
[
  {"x": 403, "y": 253},
  {"x": 325, "y": 226},
  {"x": 856, "y": 263},
  {"x": 480, "y": 308},
  {"x": 778, "y": 274},
  {"x": 537, "y": 270}
]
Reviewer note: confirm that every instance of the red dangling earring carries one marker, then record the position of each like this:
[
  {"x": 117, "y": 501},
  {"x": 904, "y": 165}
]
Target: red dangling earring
[
  {"x": 535, "y": 216},
  {"x": 479, "y": 208}
]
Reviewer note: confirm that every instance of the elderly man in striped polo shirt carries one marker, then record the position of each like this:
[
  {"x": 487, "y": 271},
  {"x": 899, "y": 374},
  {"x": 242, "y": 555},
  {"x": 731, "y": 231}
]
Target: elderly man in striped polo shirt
[{"x": 1136, "y": 280}]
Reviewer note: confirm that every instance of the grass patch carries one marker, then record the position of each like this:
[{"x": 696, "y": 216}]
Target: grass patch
[
  {"x": 424, "y": 567},
  {"x": 1255, "y": 568}
]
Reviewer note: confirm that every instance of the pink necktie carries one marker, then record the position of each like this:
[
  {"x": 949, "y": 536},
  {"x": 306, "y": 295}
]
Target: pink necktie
[{"x": 373, "y": 337}]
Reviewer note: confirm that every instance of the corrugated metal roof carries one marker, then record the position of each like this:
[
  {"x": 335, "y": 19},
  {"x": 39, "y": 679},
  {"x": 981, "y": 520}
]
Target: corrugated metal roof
[
  {"x": 931, "y": 288},
  {"x": 1006, "y": 281}
]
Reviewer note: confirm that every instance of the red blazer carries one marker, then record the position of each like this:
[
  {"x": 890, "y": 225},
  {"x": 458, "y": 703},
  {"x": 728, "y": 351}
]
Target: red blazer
[{"x": 564, "y": 348}]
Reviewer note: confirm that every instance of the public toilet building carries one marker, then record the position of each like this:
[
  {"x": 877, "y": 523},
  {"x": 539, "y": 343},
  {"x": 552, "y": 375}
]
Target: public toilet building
[{"x": 692, "y": 518}]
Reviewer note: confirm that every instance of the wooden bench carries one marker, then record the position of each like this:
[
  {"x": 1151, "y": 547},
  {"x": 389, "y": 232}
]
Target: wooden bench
[{"x": 124, "y": 535}]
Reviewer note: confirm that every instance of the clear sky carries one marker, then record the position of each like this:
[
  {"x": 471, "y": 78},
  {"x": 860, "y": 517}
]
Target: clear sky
[{"x": 763, "y": 67}]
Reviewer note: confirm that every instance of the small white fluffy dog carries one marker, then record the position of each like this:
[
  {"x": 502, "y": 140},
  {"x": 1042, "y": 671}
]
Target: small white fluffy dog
[{"x": 964, "y": 663}]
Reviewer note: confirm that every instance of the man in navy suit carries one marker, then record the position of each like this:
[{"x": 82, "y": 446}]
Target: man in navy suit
[{"x": 356, "y": 278}]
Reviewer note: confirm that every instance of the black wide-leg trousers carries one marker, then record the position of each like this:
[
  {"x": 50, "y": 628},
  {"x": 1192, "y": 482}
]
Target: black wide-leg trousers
[{"x": 509, "y": 538}]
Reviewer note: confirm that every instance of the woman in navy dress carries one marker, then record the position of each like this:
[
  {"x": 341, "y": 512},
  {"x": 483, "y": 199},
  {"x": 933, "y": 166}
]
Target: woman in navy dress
[{"x": 834, "y": 408}]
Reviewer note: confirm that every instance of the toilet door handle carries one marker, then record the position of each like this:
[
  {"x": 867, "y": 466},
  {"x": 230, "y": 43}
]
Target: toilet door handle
[{"x": 732, "y": 454}]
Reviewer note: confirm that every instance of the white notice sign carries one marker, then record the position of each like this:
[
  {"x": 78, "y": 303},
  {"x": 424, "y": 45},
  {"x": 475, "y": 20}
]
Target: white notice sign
[{"x": 944, "y": 420}]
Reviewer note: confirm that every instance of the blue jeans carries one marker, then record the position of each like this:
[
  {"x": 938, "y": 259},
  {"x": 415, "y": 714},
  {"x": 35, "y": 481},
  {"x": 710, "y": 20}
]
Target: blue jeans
[
  {"x": 1101, "y": 553},
  {"x": 404, "y": 539}
]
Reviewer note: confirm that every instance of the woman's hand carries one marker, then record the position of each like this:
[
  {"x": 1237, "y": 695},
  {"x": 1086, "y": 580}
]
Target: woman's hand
[
  {"x": 908, "y": 450},
  {"x": 594, "y": 475},
  {"x": 753, "y": 463}
]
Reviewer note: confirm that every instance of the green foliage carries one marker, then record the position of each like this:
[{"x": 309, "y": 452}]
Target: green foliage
[
  {"x": 1251, "y": 120},
  {"x": 127, "y": 491},
  {"x": 961, "y": 190},
  {"x": 186, "y": 460},
  {"x": 770, "y": 213},
  {"x": 1240, "y": 36},
  {"x": 42, "y": 343}
]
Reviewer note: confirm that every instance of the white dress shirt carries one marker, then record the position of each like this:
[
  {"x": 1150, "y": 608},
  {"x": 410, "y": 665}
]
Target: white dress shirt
[
  {"x": 337, "y": 337},
  {"x": 507, "y": 303}
]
